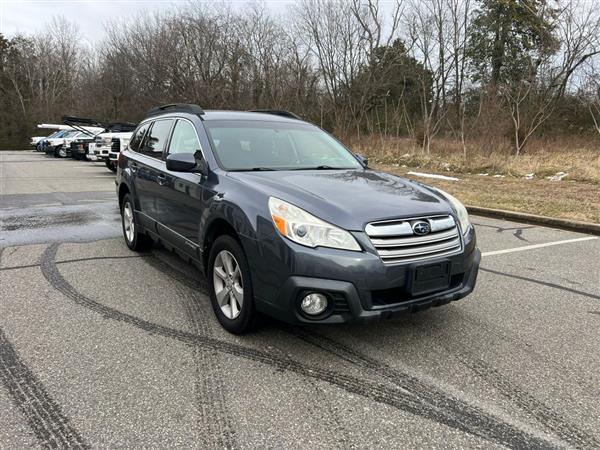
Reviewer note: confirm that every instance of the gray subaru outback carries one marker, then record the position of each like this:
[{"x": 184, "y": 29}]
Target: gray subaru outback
[{"x": 285, "y": 221}]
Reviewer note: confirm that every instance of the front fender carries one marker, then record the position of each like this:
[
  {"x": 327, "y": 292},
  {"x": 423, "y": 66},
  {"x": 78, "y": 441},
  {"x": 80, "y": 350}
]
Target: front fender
[{"x": 241, "y": 209}]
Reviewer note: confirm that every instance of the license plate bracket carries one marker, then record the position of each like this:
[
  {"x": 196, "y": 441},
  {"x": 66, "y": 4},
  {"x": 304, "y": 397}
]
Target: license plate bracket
[{"x": 430, "y": 278}]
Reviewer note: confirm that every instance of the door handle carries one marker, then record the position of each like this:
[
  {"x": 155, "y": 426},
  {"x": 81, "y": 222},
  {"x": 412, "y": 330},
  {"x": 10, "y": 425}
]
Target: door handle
[{"x": 161, "y": 179}]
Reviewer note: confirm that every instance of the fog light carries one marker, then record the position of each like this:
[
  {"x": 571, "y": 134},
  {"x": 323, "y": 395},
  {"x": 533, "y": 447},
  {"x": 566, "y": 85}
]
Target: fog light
[{"x": 314, "y": 304}]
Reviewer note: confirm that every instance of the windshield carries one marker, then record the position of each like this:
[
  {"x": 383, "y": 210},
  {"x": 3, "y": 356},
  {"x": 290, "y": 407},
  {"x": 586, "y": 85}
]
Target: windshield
[
  {"x": 250, "y": 145},
  {"x": 69, "y": 134},
  {"x": 57, "y": 134}
]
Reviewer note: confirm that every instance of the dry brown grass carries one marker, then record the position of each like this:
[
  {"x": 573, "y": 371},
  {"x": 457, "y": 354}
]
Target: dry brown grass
[{"x": 578, "y": 157}]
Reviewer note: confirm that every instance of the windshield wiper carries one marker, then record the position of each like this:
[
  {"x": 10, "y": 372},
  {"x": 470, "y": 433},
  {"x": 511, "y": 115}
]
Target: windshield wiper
[
  {"x": 322, "y": 167},
  {"x": 254, "y": 169}
]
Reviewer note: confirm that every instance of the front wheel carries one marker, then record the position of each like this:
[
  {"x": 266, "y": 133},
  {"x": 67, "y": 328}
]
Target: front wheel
[
  {"x": 111, "y": 165},
  {"x": 230, "y": 286},
  {"x": 61, "y": 152},
  {"x": 134, "y": 239}
]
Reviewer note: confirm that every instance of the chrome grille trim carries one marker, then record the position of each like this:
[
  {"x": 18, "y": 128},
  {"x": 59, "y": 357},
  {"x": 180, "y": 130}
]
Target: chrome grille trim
[
  {"x": 396, "y": 243},
  {"x": 414, "y": 240}
]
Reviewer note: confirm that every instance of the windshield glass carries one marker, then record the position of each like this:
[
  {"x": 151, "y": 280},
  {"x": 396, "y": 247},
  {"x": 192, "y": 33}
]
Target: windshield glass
[
  {"x": 250, "y": 145},
  {"x": 57, "y": 134}
]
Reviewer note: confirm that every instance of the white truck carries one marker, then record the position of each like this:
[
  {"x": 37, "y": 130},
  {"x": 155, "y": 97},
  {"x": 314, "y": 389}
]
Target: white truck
[
  {"x": 105, "y": 144},
  {"x": 109, "y": 144}
]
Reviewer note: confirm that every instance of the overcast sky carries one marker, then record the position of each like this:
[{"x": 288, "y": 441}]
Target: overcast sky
[{"x": 29, "y": 16}]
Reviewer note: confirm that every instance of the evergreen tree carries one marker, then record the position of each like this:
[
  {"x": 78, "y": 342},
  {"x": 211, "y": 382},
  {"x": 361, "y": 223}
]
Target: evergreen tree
[{"x": 509, "y": 39}]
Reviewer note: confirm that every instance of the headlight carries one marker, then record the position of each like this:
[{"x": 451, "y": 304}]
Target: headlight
[
  {"x": 459, "y": 208},
  {"x": 304, "y": 228}
]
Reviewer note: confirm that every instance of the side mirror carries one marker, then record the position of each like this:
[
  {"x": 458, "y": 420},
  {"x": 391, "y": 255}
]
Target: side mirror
[
  {"x": 362, "y": 159},
  {"x": 181, "y": 162},
  {"x": 187, "y": 162}
]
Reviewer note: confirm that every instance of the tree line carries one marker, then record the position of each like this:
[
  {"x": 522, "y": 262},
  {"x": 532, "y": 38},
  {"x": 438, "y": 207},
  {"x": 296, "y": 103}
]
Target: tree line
[{"x": 506, "y": 71}]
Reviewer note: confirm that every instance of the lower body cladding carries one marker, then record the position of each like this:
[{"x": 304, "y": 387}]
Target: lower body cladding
[{"x": 357, "y": 286}]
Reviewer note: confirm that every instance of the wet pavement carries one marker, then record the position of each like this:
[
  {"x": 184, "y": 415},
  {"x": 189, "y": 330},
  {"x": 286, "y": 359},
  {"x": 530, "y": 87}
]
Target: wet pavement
[{"x": 104, "y": 347}]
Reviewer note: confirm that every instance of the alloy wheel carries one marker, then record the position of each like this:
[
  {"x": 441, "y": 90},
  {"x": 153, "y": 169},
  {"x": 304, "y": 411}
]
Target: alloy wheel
[
  {"x": 228, "y": 284},
  {"x": 128, "y": 222}
]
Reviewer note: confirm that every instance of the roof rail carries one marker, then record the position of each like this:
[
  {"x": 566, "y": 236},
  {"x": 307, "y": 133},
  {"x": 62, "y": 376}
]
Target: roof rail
[
  {"x": 277, "y": 112},
  {"x": 176, "y": 107}
]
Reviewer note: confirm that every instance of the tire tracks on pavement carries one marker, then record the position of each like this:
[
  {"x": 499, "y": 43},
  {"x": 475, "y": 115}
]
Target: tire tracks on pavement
[
  {"x": 45, "y": 418},
  {"x": 486, "y": 428},
  {"x": 210, "y": 394},
  {"x": 531, "y": 406}
]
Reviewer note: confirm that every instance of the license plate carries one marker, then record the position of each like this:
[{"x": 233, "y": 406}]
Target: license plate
[{"x": 430, "y": 278}]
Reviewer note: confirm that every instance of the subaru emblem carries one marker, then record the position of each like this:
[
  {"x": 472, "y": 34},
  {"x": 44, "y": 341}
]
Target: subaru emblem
[{"x": 421, "y": 228}]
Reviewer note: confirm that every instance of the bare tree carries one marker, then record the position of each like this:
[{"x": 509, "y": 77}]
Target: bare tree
[{"x": 430, "y": 33}]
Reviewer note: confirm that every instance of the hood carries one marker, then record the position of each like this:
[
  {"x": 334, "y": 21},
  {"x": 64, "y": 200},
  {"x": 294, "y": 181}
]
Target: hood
[{"x": 348, "y": 198}]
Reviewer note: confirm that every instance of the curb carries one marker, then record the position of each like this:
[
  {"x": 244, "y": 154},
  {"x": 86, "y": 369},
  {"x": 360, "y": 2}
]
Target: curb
[{"x": 533, "y": 219}]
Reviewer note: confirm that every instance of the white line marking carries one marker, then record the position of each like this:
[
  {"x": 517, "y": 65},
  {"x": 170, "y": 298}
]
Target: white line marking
[{"x": 531, "y": 247}]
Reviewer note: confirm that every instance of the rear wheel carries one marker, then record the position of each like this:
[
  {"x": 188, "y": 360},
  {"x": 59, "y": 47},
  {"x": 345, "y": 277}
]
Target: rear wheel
[
  {"x": 134, "y": 238},
  {"x": 230, "y": 286}
]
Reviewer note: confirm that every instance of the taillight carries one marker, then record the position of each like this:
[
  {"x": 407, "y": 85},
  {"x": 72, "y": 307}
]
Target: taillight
[{"x": 119, "y": 158}]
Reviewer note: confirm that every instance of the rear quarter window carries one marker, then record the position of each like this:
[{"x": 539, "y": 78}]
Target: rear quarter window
[
  {"x": 156, "y": 138},
  {"x": 138, "y": 136}
]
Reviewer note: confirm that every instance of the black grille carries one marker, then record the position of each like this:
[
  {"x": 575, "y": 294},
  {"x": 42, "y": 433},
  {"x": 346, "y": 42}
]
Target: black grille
[
  {"x": 386, "y": 297},
  {"x": 340, "y": 303}
]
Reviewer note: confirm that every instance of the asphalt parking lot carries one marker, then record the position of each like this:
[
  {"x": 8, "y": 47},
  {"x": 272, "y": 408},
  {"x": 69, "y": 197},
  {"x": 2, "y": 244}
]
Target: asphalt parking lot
[{"x": 103, "y": 347}]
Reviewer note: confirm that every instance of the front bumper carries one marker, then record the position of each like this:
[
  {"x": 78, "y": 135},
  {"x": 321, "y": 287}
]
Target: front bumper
[
  {"x": 101, "y": 151},
  {"x": 360, "y": 286}
]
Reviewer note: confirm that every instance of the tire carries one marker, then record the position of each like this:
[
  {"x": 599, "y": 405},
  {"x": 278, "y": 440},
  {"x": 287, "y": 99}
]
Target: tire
[
  {"x": 224, "y": 295},
  {"x": 135, "y": 240},
  {"x": 111, "y": 165}
]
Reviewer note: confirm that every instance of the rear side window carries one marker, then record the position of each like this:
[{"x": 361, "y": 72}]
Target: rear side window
[
  {"x": 136, "y": 140},
  {"x": 184, "y": 138},
  {"x": 156, "y": 139}
]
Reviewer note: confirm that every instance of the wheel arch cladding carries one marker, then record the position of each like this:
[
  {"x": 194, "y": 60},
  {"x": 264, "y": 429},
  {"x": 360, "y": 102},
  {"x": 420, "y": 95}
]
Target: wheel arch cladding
[
  {"x": 123, "y": 190},
  {"x": 217, "y": 227}
]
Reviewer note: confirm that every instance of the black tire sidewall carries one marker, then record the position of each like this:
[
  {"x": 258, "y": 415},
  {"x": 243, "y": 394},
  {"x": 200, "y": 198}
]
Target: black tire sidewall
[{"x": 242, "y": 323}]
